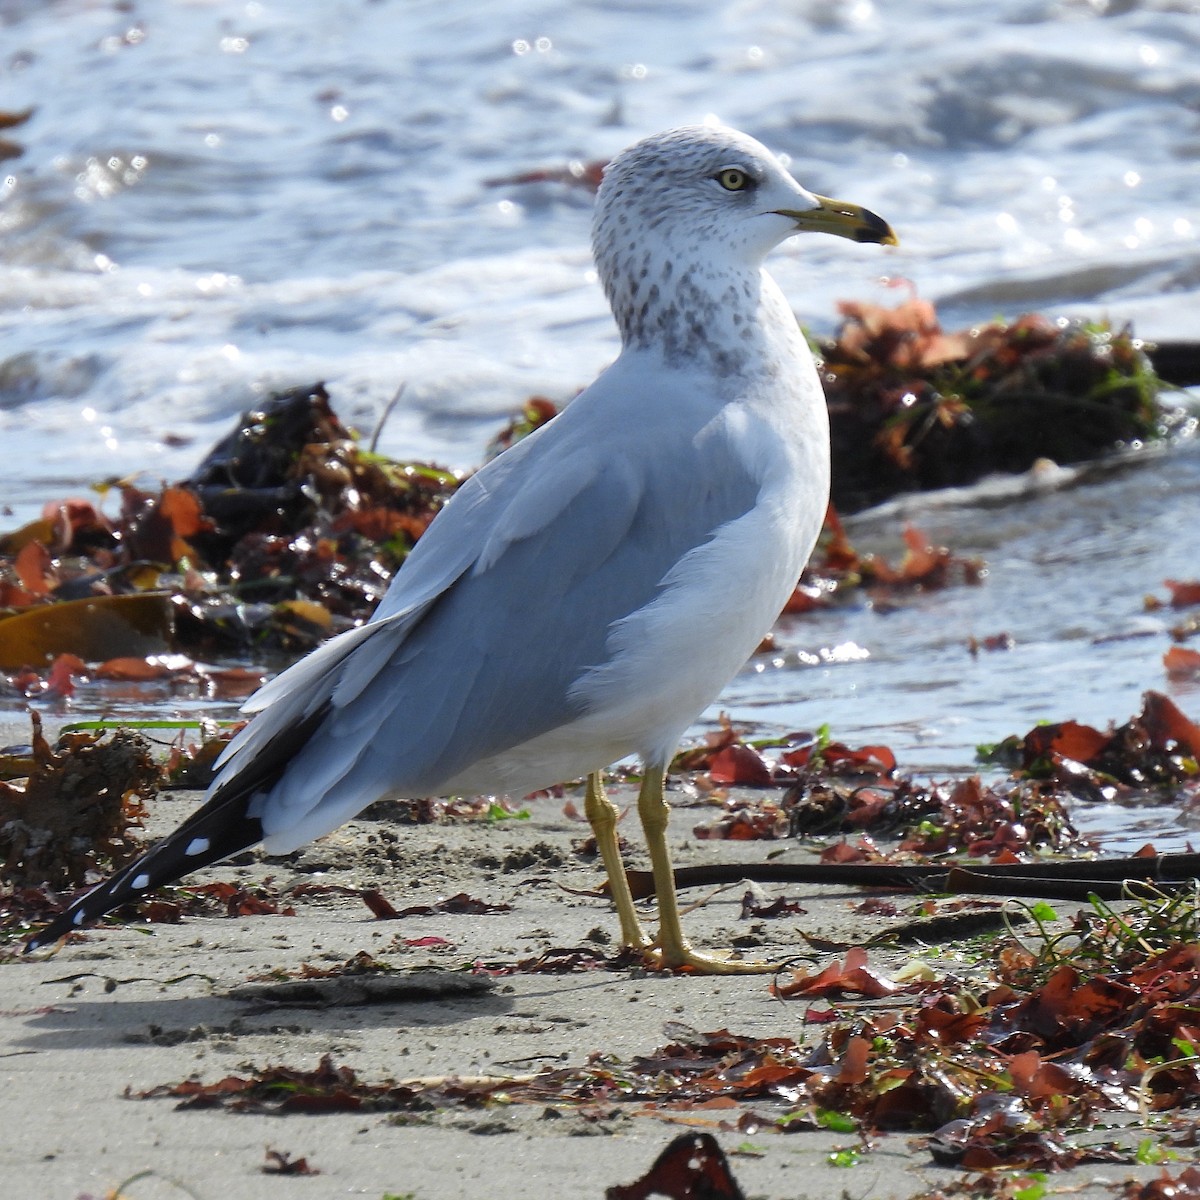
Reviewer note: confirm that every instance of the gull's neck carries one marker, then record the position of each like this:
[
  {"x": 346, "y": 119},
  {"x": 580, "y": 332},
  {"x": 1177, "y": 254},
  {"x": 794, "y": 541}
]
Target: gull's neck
[{"x": 725, "y": 318}]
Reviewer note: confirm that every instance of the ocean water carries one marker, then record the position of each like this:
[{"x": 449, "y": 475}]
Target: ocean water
[{"x": 216, "y": 199}]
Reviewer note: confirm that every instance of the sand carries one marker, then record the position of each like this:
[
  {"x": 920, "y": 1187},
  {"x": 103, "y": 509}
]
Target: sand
[{"x": 132, "y": 1008}]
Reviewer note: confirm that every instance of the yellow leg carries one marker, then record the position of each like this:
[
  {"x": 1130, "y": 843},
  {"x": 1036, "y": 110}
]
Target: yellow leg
[
  {"x": 602, "y": 815},
  {"x": 672, "y": 948}
]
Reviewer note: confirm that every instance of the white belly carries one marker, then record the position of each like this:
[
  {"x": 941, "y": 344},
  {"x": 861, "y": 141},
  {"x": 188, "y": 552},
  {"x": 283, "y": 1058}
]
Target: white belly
[{"x": 669, "y": 660}]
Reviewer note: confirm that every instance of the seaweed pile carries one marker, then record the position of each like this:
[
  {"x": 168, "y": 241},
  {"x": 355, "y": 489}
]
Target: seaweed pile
[
  {"x": 913, "y": 407},
  {"x": 287, "y": 532}
]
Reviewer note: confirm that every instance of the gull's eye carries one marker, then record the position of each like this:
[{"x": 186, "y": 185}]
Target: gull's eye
[{"x": 733, "y": 179}]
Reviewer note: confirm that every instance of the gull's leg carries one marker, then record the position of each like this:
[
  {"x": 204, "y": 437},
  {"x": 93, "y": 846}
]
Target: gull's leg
[
  {"x": 602, "y": 816},
  {"x": 672, "y": 948}
]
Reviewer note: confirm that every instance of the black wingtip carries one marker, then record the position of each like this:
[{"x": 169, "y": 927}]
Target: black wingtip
[
  {"x": 91, "y": 906},
  {"x": 212, "y": 833},
  {"x": 218, "y": 828},
  {"x": 52, "y": 933},
  {"x": 74, "y": 916}
]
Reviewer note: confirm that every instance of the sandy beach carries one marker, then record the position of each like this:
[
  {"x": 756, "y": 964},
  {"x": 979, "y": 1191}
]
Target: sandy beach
[{"x": 132, "y": 1008}]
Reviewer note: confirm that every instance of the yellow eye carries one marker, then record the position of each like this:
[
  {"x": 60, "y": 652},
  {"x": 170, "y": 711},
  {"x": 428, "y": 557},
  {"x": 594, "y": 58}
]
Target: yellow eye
[{"x": 733, "y": 179}]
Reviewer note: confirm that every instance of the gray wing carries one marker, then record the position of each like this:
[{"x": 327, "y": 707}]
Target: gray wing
[
  {"x": 336, "y": 672},
  {"x": 506, "y": 601}
]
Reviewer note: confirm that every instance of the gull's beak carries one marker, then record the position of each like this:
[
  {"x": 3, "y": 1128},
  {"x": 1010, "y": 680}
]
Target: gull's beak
[{"x": 844, "y": 220}]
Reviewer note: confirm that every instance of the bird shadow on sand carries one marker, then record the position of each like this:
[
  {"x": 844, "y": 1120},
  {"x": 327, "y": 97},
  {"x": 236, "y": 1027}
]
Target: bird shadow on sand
[{"x": 332, "y": 1007}]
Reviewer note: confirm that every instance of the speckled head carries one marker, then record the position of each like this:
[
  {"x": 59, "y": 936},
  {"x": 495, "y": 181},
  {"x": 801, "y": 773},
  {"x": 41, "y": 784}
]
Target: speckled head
[{"x": 695, "y": 210}]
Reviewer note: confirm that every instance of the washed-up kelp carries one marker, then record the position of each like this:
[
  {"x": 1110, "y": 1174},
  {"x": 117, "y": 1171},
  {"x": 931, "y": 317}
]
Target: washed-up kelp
[
  {"x": 77, "y": 809},
  {"x": 287, "y": 532},
  {"x": 813, "y": 785},
  {"x": 913, "y": 407}
]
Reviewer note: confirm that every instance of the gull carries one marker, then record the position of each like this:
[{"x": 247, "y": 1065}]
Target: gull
[{"x": 588, "y": 593}]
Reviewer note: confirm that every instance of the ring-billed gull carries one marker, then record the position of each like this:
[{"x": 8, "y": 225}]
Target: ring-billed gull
[{"x": 587, "y": 594}]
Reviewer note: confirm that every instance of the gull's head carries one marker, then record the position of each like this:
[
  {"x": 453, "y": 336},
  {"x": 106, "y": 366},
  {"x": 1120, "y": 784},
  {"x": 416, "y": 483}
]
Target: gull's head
[
  {"x": 715, "y": 186},
  {"x": 705, "y": 203}
]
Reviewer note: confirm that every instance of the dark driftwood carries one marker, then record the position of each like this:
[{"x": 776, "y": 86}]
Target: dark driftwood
[
  {"x": 1108, "y": 878},
  {"x": 1177, "y": 363}
]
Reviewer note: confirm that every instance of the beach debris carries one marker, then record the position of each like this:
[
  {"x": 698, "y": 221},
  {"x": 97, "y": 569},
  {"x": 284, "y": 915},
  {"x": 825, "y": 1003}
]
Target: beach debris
[
  {"x": 77, "y": 811},
  {"x": 1183, "y": 1186},
  {"x": 914, "y": 407},
  {"x": 837, "y": 571},
  {"x": 1009, "y": 1072},
  {"x": 359, "y": 981},
  {"x": 23, "y": 909},
  {"x": 1182, "y": 663},
  {"x": 280, "y": 1162},
  {"x": 829, "y": 787},
  {"x": 757, "y": 908},
  {"x": 461, "y": 902},
  {"x": 1011, "y": 1069},
  {"x": 1184, "y": 593},
  {"x": 286, "y": 533},
  {"x": 168, "y": 906},
  {"x": 854, "y": 977},
  {"x": 561, "y": 960},
  {"x": 692, "y": 1167},
  {"x": 99, "y": 627},
  {"x": 1156, "y": 751}
]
